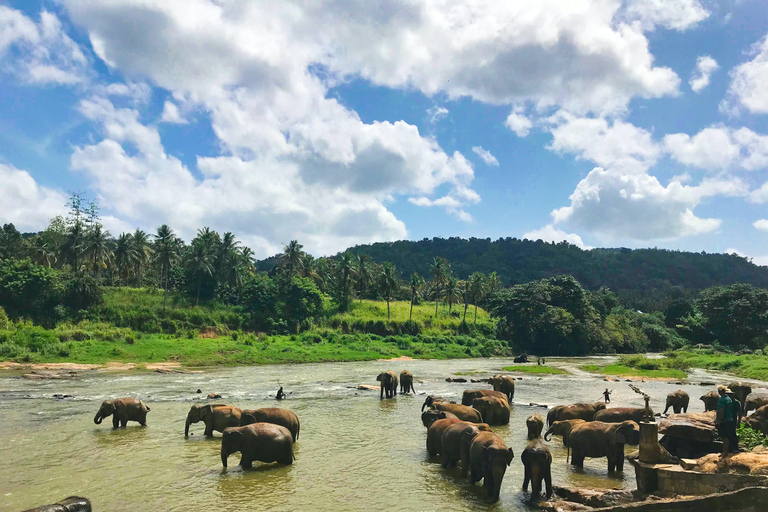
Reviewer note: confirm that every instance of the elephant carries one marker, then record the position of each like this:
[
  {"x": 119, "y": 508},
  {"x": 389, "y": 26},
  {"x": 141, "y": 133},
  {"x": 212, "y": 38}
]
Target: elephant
[
  {"x": 462, "y": 412},
  {"x": 522, "y": 358},
  {"x": 456, "y": 440},
  {"x": 600, "y": 439},
  {"x": 406, "y": 382},
  {"x": 122, "y": 411},
  {"x": 488, "y": 459},
  {"x": 430, "y": 416},
  {"x": 563, "y": 428},
  {"x": 388, "y": 384},
  {"x": 435, "y": 435},
  {"x": 620, "y": 414},
  {"x": 265, "y": 442},
  {"x": 70, "y": 504},
  {"x": 495, "y": 411},
  {"x": 741, "y": 390},
  {"x": 535, "y": 424},
  {"x": 470, "y": 394},
  {"x": 505, "y": 384},
  {"x": 215, "y": 416},
  {"x": 678, "y": 401},
  {"x": 755, "y": 400},
  {"x": 580, "y": 411},
  {"x": 759, "y": 420},
  {"x": 275, "y": 415},
  {"x": 537, "y": 461},
  {"x": 710, "y": 400}
]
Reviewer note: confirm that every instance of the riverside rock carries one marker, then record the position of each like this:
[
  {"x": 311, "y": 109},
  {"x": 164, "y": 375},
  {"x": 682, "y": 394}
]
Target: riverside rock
[{"x": 759, "y": 420}]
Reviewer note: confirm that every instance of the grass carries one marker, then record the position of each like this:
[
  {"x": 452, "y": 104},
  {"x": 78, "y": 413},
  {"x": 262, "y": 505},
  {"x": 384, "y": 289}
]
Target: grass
[
  {"x": 751, "y": 366},
  {"x": 620, "y": 370},
  {"x": 544, "y": 370}
]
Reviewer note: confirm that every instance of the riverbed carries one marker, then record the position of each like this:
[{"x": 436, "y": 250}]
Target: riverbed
[{"x": 355, "y": 451}]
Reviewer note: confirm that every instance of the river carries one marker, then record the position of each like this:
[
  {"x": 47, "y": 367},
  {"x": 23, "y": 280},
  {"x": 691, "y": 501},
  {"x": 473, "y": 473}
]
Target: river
[{"x": 355, "y": 451}]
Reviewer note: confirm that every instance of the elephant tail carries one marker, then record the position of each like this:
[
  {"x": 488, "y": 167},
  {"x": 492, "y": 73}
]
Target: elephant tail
[{"x": 298, "y": 429}]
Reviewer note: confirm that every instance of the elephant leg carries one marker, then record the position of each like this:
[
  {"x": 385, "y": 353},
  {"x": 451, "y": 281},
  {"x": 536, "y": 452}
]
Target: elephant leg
[
  {"x": 577, "y": 458},
  {"x": 620, "y": 461},
  {"x": 115, "y": 422},
  {"x": 548, "y": 482},
  {"x": 124, "y": 422},
  {"x": 488, "y": 483},
  {"x": 536, "y": 487},
  {"x": 685, "y": 408},
  {"x": 246, "y": 462},
  {"x": 473, "y": 477},
  {"x": 666, "y": 409},
  {"x": 527, "y": 477},
  {"x": 208, "y": 429},
  {"x": 446, "y": 461}
]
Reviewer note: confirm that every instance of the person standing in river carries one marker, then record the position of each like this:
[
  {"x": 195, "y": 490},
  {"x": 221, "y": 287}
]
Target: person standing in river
[
  {"x": 280, "y": 394},
  {"x": 607, "y": 395},
  {"x": 725, "y": 421}
]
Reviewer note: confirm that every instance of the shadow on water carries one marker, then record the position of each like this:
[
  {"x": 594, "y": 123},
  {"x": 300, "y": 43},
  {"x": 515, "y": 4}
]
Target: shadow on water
[{"x": 106, "y": 437}]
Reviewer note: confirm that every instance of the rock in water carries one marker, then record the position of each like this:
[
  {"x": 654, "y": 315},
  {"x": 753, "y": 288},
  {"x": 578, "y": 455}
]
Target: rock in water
[
  {"x": 699, "y": 426},
  {"x": 213, "y": 396},
  {"x": 71, "y": 504},
  {"x": 759, "y": 420}
]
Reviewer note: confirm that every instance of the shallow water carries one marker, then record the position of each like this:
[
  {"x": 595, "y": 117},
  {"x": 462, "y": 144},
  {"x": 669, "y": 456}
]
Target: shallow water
[{"x": 354, "y": 450}]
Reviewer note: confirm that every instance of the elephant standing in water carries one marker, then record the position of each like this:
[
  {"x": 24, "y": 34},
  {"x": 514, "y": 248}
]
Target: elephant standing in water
[
  {"x": 430, "y": 416},
  {"x": 741, "y": 390},
  {"x": 406, "y": 382},
  {"x": 275, "y": 415},
  {"x": 710, "y": 400},
  {"x": 599, "y": 439},
  {"x": 455, "y": 442},
  {"x": 504, "y": 384},
  {"x": 621, "y": 414},
  {"x": 215, "y": 416},
  {"x": 388, "y": 384},
  {"x": 462, "y": 412},
  {"x": 537, "y": 460},
  {"x": 488, "y": 459},
  {"x": 678, "y": 401},
  {"x": 470, "y": 394},
  {"x": 265, "y": 442},
  {"x": 563, "y": 428},
  {"x": 435, "y": 435},
  {"x": 122, "y": 411},
  {"x": 584, "y": 412},
  {"x": 495, "y": 411}
]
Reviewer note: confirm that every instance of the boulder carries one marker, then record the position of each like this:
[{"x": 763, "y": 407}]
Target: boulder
[
  {"x": 368, "y": 387},
  {"x": 759, "y": 420},
  {"x": 213, "y": 396},
  {"x": 594, "y": 497},
  {"x": 71, "y": 504},
  {"x": 455, "y": 379},
  {"x": 699, "y": 426},
  {"x": 50, "y": 375},
  {"x": 752, "y": 463},
  {"x": 756, "y": 400}
]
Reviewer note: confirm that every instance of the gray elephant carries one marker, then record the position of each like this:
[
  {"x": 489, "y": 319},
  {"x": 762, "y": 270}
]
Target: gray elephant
[
  {"x": 581, "y": 411},
  {"x": 621, "y": 414},
  {"x": 563, "y": 428},
  {"x": 678, "y": 401},
  {"x": 535, "y": 424},
  {"x": 122, "y": 411},
  {"x": 488, "y": 460},
  {"x": 217, "y": 417},
  {"x": 470, "y": 394},
  {"x": 406, "y": 382},
  {"x": 494, "y": 410},
  {"x": 710, "y": 400},
  {"x": 388, "y": 381},
  {"x": 275, "y": 415},
  {"x": 755, "y": 400},
  {"x": 456, "y": 440},
  {"x": 504, "y": 384},
  {"x": 265, "y": 442},
  {"x": 537, "y": 460},
  {"x": 462, "y": 412},
  {"x": 600, "y": 439},
  {"x": 430, "y": 416},
  {"x": 741, "y": 390},
  {"x": 70, "y": 504},
  {"x": 435, "y": 435}
]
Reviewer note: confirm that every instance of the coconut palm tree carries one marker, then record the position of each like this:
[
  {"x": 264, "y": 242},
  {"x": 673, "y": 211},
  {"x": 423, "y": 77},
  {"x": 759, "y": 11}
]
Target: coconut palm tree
[
  {"x": 389, "y": 280},
  {"x": 42, "y": 251},
  {"x": 199, "y": 263},
  {"x": 415, "y": 284},
  {"x": 363, "y": 274},
  {"x": 125, "y": 254},
  {"x": 143, "y": 253},
  {"x": 97, "y": 247},
  {"x": 72, "y": 247},
  {"x": 166, "y": 254},
  {"x": 439, "y": 270},
  {"x": 492, "y": 283},
  {"x": 346, "y": 268},
  {"x": 451, "y": 293},
  {"x": 476, "y": 286},
  {"x": 227, "y": 264},
  {"x": 292, "y": 255}
]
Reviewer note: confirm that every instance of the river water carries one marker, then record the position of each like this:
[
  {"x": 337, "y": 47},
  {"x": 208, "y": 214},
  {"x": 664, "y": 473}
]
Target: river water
[{"x": 355, "y": 451}]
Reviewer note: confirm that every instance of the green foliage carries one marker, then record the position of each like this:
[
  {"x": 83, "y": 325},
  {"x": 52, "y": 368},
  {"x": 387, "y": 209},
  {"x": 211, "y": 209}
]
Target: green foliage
[
  {"x": 29, "y": 290},
  {"x": 749, "y": 438},
  {"x": 535, "y": 370},
  {"x": 736, "y": 315},
  {"x": 82, "y": 292},
  {"x": 649, "y": 369},
  {"x": 5, "y": 323},
  {"x": 301, "y": 300}
]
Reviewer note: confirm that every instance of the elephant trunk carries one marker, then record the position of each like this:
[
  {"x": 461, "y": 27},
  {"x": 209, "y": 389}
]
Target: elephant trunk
[
  {"x": 424, "y": 405},
  {"x": 224, "y": 455},
  {"x": 548, "y": 434},
  {"x": 186, "y": 426},
  {"x": 98, "y": 418}
]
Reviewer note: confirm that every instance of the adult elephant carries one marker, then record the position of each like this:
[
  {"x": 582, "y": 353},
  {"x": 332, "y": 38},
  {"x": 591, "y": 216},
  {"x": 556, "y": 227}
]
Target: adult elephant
[
  {"x": 406, "y": 382},
  {"x": 710, "y": 400},
  {"x": 535, "y": 424},
  {"x": 563, "y": 428},
  {"x": 600, "y": 439},
  {"x": 755, "y": 400},
  {"x": 456, "y": 440},
  {"x": 388, "y": 381},
  {"x": 265, "y": 442},
  {"x": 494, "y": 410},
  {"x": 122, "y": 411},
  {"x": 462, "y": 412},
  {"x": 215, "y": 416},
  {"x": 435, "y": 435},
  {"x": 621, "y": 414},
  {"x": 275, "y": 415},
  {"x": 741, "y": 390},
  {"x": 504, "y": 384},
  {"x": 430, "y": 416},
  {"x": 678, "y": 401},
  {"x": 470, "y": 394},
  {"x": 537, "y": 460},
  {"x": 581, "y": 411},
  {"x": 488, "y": 460}
]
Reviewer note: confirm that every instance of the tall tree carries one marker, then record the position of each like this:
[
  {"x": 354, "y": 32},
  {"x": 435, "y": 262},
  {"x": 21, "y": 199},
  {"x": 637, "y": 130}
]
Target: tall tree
[
  {"x": 347, "y": 269},
  {"x": 125, "y": 255},
  {"x": 415, "y": 284},
  {"x": 492, "y": 283},
  {"x": 363, "y": 274},
  {"x": 451, "y": 292},
  {"x": 476, "y": 286},
  {"x": 389, "y": 280},
  {"x": 292, "y": 255},
  {"x": 199, "y": 263},
  {"x": 72, "y": 247},
  {"x": 166, "y": 254},
  {"x": 142, "y": 248},
  {"x": 97, "y": 247},
  {"x": 42, "y": 251},
  {"x": 439, "y": 270}
]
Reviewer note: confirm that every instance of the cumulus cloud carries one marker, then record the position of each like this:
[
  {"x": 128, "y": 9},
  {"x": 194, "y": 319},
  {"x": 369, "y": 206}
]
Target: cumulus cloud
[
  {"x": 26, "y": 204},
  {"x": 761, "y": 224},
  {"x": 171, "y": 114},
  {"x": 719, "y": 148},
  {"x": 518, "y": 122},
  {"x": 549, "y": 233},
  {"x": 705, "y": 66},
  {"x": 672, "y": 14},
  {"x": 485, "y": 155},
  {"x": 749, "y": 81}
]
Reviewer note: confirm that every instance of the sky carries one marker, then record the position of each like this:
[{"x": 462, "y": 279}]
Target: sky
[{"x": 605, "y": 123}]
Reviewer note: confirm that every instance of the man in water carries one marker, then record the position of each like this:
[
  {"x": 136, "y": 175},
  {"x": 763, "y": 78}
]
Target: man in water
[
  {"x": 280, "y": 394},
  {"x": 607, "y": 395},
  {"x": 725, "y": 421}
]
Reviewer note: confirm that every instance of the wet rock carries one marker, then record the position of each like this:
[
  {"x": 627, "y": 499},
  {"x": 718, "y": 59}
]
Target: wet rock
[
  {"x": 474, "y": 380},
  {"x": 697, "y": 426},
  {"x": 753, "y": 463},
  {"x": 213, "y": 396},
  {"x": 61, "y": 396},
  {"x": 71, "y": 504},
  {"x": 368, "y": 387},
  {"x": 170, "y": 370},
  {"x": 595, "y": 497},
  {"x": 199, "y": 391},
  {"x": 487, "y": 380},
  {"x": 706, "y": 383},
  {"x": 50, "y": 375},
  {"x": 759, "y": 420},
  {"x": 456, "y": 379},
  {"x": 756, "y": 400}
]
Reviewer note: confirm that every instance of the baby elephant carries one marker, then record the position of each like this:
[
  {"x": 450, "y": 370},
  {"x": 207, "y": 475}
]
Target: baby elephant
[
  {"x": 265, "y": 442},
  {"x": 122, "y": 411}
]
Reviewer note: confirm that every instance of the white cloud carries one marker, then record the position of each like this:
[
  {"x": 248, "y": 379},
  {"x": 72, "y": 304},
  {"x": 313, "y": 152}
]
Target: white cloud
[
  {"x": 761, "y": 224},
  {"x": 549, "y": 233},
  {"x": 749, "y": 81},
  {"x": 671, "y": 14},
  {"x": 719, "y": 148},
  {"x": 757, "y": 260},
  {"x": 437, "y": 113},
  {"x": 25, "y": 203},
  {"x": 518, "y": 122},
  {"x": 705, "y": 66},
  {"x": 138, "y": 92},
  {"x": 171, "y": 114},
  {"x": 485, "y": 155}
]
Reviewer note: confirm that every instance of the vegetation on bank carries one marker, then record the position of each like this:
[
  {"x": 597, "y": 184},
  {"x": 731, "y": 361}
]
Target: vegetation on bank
[
  {"x": 535, "y": 370},
  {"x": 751, "y": 366},
  {"x": 622, "y": 370}
]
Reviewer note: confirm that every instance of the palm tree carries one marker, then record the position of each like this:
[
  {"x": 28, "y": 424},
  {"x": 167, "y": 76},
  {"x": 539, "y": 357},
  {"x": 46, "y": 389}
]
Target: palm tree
[
  {"x": 125, "y": 254},
  {"x": 363, "y": 274},
  {"x": 389, "y": 280},
  {"x": 97, "y": 245},
  {"x": 292, "y": 255},
  {"x": 440, "y": 271},
  {"x": 42, "y": 251},
  {"x": 227, "y": 255},
  {"x": 143, "y": 251},
  {"x": 347, "y": 269},
  {"x": 492, "y": 283},
  {"x": 451, "y": 292},
  {"x": 166, "y": 254},
  {"x": 475, "y": 286},
  {"x": 72, "y": 247},
  {"x": 199, "y": 263},
  {"x": 416, "y": 283}
]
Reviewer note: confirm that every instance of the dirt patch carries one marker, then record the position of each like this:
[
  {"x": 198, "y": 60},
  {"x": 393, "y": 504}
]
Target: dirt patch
[
  {"x": 167, "y": 365},
  {"x": 118, "y": 366},
  {"x": 208, "y": 333},
  {"x": 401, "y": 358},
  {"x": 9, "y": 365}
]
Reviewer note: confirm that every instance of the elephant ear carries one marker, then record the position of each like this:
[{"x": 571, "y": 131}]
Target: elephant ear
[
  {"x": 234, "y": 437},
  {"x": 510, "y": 456},
  {"x": 204, "y": 411},
  {"x": 378, "y": 377}
]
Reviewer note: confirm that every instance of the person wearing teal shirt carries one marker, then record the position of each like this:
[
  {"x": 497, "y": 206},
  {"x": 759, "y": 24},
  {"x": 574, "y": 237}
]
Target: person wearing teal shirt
[{"x": 725, "y": 420}]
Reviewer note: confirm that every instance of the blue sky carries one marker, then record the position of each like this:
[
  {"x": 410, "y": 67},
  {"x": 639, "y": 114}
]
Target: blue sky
[{"x": 636, "y": 123}]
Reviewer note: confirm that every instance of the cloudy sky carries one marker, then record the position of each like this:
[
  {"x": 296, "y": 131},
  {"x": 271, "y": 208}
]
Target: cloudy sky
[{"x": 636, "y": 123}]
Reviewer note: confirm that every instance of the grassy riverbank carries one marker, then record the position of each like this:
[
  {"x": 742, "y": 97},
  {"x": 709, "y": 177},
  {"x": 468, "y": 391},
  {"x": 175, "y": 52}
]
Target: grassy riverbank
[
  {"x": 622, "y": 370},
  {"x": 535, "y": 370},
  {"x": 751, "y": 366}
]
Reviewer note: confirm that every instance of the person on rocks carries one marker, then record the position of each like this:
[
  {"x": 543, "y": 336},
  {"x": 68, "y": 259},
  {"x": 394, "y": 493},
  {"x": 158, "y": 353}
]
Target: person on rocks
[
  {"x": 725, "y": 420},
  {"x": 607, "y": 395}
]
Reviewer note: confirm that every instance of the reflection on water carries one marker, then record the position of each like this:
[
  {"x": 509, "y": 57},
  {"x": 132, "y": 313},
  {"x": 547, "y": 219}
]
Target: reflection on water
[{"x": 355, "y": 450}]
